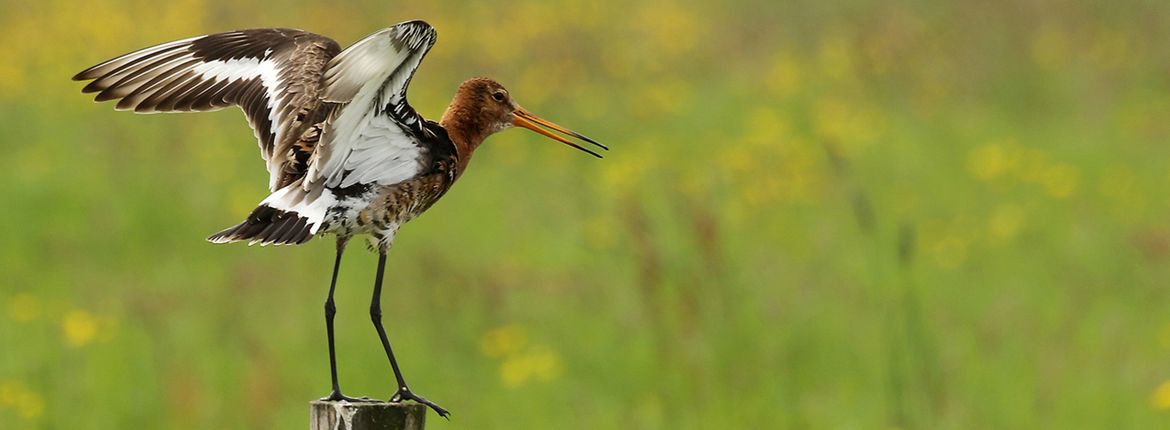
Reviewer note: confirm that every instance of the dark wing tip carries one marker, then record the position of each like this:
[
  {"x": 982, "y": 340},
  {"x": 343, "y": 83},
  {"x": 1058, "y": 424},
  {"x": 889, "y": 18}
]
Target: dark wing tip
[
  {"x": 87, "y": 74},
  {"x": 415, "y": 33},
  {"x": 417, "y": 25},
  {"x": 416, "y": 22}
]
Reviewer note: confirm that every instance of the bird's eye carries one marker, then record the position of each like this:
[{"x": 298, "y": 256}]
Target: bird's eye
[{"x": 498, "y": 96}]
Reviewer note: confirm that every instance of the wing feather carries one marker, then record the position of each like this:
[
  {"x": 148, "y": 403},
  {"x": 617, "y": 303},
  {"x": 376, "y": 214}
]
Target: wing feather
[
  {"x": 374, "y": 136},
  {"x": 272, "y": 74}
]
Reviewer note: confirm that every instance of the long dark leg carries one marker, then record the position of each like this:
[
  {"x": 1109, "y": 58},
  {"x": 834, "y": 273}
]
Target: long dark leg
[
  {"x": 330, "y": 311},
  {"x": 403, "y": 392}
]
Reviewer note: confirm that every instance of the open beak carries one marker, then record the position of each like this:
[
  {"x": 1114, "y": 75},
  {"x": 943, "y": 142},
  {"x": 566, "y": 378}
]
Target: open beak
[{"x": 524, "y": 119}]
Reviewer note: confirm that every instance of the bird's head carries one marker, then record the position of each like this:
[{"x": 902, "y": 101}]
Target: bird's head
[{"x": 482, "y": 107}]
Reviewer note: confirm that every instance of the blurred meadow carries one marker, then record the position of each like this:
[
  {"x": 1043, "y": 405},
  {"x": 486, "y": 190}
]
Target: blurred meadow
[{"x": 854, "y": 214}]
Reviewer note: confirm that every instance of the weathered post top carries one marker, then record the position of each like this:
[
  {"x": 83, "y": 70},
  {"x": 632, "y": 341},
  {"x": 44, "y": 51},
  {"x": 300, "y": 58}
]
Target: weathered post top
[{"x": 366, "y": 416}]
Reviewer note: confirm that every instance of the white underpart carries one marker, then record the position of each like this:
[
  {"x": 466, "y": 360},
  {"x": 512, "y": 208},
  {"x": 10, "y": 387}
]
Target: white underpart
[{"x": 294, "y": 199}]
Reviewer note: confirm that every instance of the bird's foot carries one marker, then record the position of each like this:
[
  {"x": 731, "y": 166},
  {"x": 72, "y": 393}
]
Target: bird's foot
[
  {"x": 336, "y": 396},
  {"x": 405, "y": 394}
]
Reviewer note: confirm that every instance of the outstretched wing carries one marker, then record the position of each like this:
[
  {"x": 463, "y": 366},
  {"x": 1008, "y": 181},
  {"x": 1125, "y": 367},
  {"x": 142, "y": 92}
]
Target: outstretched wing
[
  {"x": 273, "y": 74},
  {"x": 374, "y": 135}
]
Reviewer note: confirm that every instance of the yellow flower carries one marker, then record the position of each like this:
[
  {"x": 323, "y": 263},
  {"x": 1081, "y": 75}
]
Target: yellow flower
[
  {"x": 503, "y": 341},
  {"x": 544, "y": 364},
  {"x": 79, "y": 328},
  {"x": 30, "y": 405},
  {"x": 20, "y": 398},
  {"x": 9, "y": 392},
  {"x": 539, "y": 363},
  {"x": 989, "y": 161},
  {"x": 514, "y": 371},
  {"x": 1160, "y": 399}
]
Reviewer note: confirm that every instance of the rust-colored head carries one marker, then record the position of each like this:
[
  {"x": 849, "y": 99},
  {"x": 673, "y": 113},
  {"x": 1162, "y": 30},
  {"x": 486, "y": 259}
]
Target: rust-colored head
[{"x": 482, "y": 107}]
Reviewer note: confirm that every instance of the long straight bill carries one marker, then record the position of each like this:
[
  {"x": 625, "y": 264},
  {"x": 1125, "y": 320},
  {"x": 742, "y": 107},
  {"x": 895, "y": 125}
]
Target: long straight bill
[{"x": 524, "y": 119}]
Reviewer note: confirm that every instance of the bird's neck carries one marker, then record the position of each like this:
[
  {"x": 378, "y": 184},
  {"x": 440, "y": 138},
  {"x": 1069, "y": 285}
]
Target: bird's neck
[{"x": 465, "y": 130}]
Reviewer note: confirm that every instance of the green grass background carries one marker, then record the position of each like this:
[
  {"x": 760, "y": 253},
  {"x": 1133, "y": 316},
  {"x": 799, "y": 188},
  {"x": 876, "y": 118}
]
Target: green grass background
[{"x": 853, "y": 214}]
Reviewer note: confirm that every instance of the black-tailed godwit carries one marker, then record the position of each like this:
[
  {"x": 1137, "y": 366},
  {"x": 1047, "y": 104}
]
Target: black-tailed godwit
[{"x": 346, "y": 154}]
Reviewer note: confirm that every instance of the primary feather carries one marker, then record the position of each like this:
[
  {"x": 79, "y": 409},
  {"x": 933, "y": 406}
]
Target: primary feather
[{"x": 272, "y": 74}]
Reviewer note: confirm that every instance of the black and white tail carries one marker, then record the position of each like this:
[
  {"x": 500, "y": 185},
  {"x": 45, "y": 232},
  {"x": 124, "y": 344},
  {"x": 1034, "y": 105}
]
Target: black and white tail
[{"x": 290, "y": 216}]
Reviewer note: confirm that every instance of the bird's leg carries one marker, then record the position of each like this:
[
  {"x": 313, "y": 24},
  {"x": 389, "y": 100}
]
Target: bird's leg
[
  {"x": 403, "y": 392},
  {"x": 330, "y": 311}
]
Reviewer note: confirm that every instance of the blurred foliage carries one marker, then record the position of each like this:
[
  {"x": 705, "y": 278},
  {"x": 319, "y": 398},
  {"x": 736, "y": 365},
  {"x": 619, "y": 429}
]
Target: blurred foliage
[{"x": 852, "y": 214}]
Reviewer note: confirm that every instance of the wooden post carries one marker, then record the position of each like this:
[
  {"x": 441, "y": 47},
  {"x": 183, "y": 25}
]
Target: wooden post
[{"x": 366, "y": 416}]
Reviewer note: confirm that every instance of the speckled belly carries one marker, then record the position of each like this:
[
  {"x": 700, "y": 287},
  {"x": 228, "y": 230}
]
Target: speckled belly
[{"x": 380, "y": 210}]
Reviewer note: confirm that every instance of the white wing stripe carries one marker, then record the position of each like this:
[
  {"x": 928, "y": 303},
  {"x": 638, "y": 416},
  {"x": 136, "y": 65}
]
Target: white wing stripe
[
  {"x": 244, "y": 69},
  {"x": 236, "y": 68},
  {"x": 269, "y": 77}
]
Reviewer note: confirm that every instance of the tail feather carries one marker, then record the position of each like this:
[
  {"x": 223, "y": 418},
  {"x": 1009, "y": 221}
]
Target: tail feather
[
  {"x": 267, "y": 225},
  {"x": 290, "y": 216}
]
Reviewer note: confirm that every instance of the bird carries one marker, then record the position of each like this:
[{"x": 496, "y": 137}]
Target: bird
[{"x": 346, "y": 153}]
